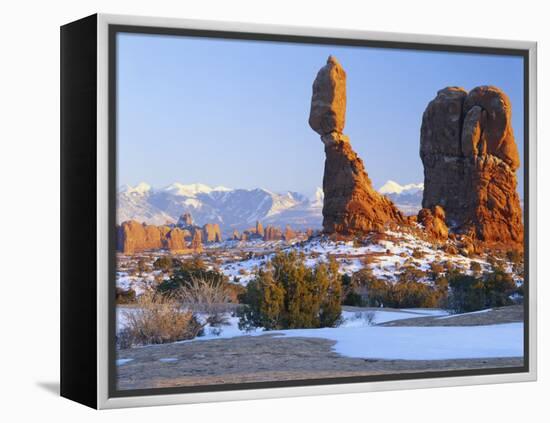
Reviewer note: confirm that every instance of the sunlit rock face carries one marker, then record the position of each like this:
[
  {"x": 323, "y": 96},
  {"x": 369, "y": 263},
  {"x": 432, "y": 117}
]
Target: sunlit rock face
[
  {"x": 470, "y": 160},
  {"x": 351, "y": 205}
]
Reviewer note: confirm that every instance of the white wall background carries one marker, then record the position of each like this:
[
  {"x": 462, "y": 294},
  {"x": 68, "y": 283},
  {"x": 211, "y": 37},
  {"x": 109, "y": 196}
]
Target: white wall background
[{"x": 29, "y": 181}]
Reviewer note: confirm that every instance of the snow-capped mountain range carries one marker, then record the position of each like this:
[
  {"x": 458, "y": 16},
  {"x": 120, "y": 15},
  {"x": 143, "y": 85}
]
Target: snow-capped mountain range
[
  {"x": 238, "y": 208},
  {"x": 407, "y": 197}
]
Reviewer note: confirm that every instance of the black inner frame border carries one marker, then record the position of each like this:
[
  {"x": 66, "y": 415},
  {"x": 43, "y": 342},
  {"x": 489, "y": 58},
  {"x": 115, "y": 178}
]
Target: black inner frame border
[{"x": 114, "y": 29}]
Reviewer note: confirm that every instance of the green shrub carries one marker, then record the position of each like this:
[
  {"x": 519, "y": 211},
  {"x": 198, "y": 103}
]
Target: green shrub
[
  {"x": 364, "y": 290},
  {"x": 166, "y": 263},
  {"x": 354, "y": 299},
  {"x": 378, "y": 293},
  {"x": 475, "y": 267},
  {"x": 195, "y": 263},
  {"x": 499, "y": 286},
  {"x": 407, "y": 292},
  {"x": 417, "y": 254},
  {"x": 185, "y": 275},
  {"x": 442, "y": 287},
  {"x": 467, "y": 293},
  {"x": 436, "y": 269},
  {"x": 289, "y": 295},
  {"x": 492, "y": 289},
  {"x": 141, "y": 266},
  {"x": 412, "y": 294},
  {"x": 411, "y": 273},
  {"x": 235, "y": 291},
  {"x": 124, "y": 296},
  {"x": 353, "y": 289}
]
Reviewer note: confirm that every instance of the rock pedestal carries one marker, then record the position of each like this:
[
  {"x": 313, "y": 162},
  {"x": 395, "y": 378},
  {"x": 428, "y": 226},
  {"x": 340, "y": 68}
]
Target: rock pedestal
[{"x": 351, "y": 205}]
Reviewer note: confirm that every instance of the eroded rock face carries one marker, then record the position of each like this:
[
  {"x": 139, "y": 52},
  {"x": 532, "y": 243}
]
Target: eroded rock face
[
  {"x": 259, "y": 228},
  {"x": 470, "y": 158},
  {"x": 489, "y": 109},
  {"x": 351, "y": 205},
  {"x": 272, "y": 233},
  {"x": 196, "y": 242},
  {"x": 328, "y": 101},
  {"x": 212, "y": 233},
  {"x": 289, "y": 234},
  {"x": 134, "y": 236},
  {"x": 175, "y": 240},
  {"x": 185, "y": 220},
  {"x": 434, "y": 224}
]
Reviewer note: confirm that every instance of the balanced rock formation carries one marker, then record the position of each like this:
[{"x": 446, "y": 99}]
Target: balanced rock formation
[
  {"x": 470, "y": 160},
  {"x": 434, "y": 224},
  {"x": 351, "y": 205},
  {"x": 211, "y": 232}
]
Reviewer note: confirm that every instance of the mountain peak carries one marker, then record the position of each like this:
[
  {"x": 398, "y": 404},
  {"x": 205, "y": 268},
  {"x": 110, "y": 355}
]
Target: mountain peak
[
  {"x": 191, "y": 190},
  {"x": 392, "y": 187},
  {"x": 318, "y": 198},
  {"x": 140, "y": 189}
]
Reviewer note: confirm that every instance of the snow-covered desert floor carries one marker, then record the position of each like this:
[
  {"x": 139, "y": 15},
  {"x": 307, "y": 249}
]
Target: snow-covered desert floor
[{"x": 359, "y": 336}]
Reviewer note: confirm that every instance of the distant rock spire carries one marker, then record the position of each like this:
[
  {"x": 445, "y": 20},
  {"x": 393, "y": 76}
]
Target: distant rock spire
[
  {"x": 185, "y": 220},
  {"x": 259, "y": 228}
]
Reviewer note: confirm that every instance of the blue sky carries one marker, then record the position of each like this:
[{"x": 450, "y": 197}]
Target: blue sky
[{"x": 235, "y": 113}]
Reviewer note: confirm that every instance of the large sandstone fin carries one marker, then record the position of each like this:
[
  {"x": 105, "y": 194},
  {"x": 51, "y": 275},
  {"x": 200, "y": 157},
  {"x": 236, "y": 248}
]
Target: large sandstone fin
[{"x": 470, "y": 158}]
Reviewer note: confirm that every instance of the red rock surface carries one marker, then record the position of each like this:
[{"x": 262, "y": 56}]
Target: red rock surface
[
  {"x": 351, "y": 205},
  {"x": 196, "y": 242},
  {"x": 133, "y": 237},
  {"x": 259, "y": 228},
  {"x": 272, "y": 233},
  {"x": 185, "y": 220},
  {"x": 470, "y": 158},
  {"x": 289, "y": 234},
  {"x": 433, "y": 221},
  {"x": 328, "y": 100},
  {"x": 175, "y": 240},
  {"x": 211, "y": 233}
]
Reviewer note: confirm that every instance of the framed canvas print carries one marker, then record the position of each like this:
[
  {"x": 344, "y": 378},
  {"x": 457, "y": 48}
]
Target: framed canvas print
[{"x": 253, "y": 211}]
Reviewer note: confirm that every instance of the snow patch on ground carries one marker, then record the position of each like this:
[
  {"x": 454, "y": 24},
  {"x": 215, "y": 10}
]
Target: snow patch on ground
[
  {"x": 357, "y": 337},
  {"x": 385, "y": 257},
  {"x": 422, "y": 343}
]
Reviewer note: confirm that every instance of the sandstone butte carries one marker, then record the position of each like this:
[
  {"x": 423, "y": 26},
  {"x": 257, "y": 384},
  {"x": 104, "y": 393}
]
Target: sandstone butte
[
  {"x": 212, "y": 232},
  {"x": 351, "y": 205},
  {"x": 133, "y": 236},
  {"x": 470, "y": 160}
]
